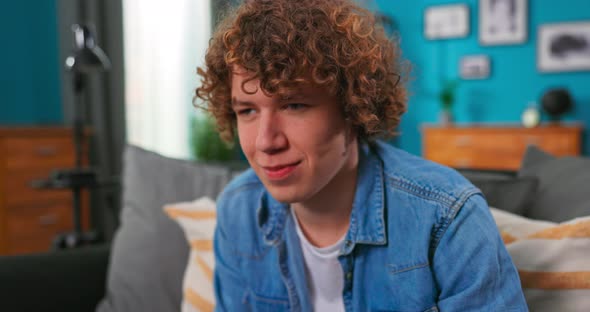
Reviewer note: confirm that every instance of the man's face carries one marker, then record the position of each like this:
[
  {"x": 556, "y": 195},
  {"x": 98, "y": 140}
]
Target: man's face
[{"x": 296, "y": 146}]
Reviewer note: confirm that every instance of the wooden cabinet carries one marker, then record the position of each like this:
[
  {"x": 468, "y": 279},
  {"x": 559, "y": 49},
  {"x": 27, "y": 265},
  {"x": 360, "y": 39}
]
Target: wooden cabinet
[
  {"x": 499, "y": 147},
  {"x": 30, "y": 218}
]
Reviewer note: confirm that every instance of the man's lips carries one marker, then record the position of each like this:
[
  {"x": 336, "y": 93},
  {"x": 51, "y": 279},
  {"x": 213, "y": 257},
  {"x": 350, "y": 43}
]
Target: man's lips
[{"x": 280, "y": 171}]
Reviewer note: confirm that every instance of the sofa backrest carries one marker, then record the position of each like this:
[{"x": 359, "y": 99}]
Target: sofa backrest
[{"x": 149, "y": 250}]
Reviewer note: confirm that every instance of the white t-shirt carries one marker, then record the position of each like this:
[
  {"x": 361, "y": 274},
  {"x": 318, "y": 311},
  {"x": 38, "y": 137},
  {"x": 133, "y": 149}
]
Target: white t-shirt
[{"x": 325, "y": 278}]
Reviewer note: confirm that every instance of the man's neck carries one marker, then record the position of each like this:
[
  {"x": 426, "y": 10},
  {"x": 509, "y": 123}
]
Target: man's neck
[{"x": 325, "y": 217}]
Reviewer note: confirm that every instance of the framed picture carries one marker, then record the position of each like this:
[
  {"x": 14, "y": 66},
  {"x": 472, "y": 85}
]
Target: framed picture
[
  {"x": 446, "y": 21},
  {"x": 503, "y": 21},
  {"x": 563, "y": 47},
  {"x": 474, "y": 67}
]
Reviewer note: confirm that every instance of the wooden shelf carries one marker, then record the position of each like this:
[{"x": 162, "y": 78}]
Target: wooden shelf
[
  {"x": 502, "y": 147},
  {"x": 31, "y": 218}
]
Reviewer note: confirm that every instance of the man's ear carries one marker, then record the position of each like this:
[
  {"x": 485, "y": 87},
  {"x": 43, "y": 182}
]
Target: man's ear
[
  {"x": 351, "y": 133},
  {"x": 350, "y": 136}
]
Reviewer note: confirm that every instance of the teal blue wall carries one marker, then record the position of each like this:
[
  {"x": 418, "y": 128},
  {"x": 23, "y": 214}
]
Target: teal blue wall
[
  {"x": 29, "y": 63},
  {"x": 514, "y": 80}
]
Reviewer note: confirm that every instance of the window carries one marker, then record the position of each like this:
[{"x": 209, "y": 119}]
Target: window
[{"x": 164, "y": 42}]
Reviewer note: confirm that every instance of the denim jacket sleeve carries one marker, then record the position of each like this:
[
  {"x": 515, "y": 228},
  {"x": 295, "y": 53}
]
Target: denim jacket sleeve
[
  {"x": 227, "y": 296},
  {"x": 227, "y": 280},
  {"x": 475, "y": 272}
]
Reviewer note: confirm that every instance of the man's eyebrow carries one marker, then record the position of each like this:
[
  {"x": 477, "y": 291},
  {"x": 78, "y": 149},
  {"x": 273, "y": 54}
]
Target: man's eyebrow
[
  {"x": 299, "y": 96},
  {"x": 295, "y": 97},
  {"x": 236, "y": 102}
]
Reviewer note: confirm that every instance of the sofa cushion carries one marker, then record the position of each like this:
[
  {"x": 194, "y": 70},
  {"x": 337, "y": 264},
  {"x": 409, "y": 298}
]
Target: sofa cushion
[
  {"x": 69, "y": 280},
  {"x": 149, "y": 250},
  {"x": 197, "y": 219},
  {"x": 551, "y": 258},
  {"x": 503, "y": 190},
  {"x": 564, "y": 185}
]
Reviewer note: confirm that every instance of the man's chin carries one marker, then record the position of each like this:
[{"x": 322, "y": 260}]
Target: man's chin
[{"x": 283, "y": 195}]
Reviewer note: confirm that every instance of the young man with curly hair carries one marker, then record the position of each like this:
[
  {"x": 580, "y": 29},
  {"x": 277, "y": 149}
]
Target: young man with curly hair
[{"x": 330, "y": 217}]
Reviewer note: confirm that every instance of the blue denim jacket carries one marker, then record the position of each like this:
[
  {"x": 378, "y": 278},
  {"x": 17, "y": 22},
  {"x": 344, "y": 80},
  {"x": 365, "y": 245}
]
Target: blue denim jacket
[{"x": 421, "y": 238}]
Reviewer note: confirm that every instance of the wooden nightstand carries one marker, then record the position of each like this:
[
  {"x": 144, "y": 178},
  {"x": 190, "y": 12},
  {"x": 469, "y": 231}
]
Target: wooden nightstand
[
  {"x": 488, "y": 146},
  {"x": 30, "y": 218}
]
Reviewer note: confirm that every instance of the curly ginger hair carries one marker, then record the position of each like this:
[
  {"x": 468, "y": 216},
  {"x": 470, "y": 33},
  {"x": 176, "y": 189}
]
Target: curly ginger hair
[{"x": 332, "y": 44}]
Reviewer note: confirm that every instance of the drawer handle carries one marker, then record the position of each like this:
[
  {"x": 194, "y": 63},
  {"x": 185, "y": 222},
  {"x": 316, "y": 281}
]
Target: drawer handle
[
  {"x": 463, "y": 141},
  {"x": 533, "y": 141},
  {"x": 46, "y": 220},
  {"x": 462, "y": 163},
  {"x": 46, "y": 151}
]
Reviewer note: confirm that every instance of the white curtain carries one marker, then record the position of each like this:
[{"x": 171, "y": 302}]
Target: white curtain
[{"x": 164, "y": 42}]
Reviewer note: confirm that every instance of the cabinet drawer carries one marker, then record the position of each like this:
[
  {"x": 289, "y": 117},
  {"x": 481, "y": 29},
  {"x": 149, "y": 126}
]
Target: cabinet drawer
[
  {"x": 18, "y": 186},
  {"x": 558, "y": 144},
  {"x": 20, "y": 153},
  {"x": 32, "y": 228},
  {"x": 482, "y": 142},
  {"x": 453, "y": 157},
  {"x": 487, "y": 147}
]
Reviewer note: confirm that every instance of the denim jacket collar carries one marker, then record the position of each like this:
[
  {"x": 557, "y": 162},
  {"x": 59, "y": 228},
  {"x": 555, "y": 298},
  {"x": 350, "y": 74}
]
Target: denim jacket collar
[
  {"x": 272, "y": 216},
  {"x": 367, "y": 224}
]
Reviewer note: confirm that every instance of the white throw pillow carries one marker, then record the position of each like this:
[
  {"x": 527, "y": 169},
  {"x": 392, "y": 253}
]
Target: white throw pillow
[
  {"x": 197, "y": 219},
  {"x": 553, "y": 260}
]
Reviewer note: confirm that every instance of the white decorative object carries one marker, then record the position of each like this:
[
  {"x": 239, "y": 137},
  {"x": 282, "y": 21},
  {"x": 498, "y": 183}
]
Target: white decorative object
[
  {"x": 531, "y": 117},
  {"x": 503, "y": 21},
  {"x": 563, "y": 47},
  {"x": 446, "y": 21},
  {"x": 475, "y": 67}
]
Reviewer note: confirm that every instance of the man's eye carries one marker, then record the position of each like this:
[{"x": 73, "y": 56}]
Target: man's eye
[{"x": 245, "y": 112}]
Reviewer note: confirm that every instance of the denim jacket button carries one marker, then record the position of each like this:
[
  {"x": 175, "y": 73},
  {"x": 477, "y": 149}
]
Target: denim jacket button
[{"x": 348, "y": 275}]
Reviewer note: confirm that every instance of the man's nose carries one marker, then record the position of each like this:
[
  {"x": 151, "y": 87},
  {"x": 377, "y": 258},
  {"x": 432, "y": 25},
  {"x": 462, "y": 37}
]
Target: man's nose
[{"x": 270, "y": 138}]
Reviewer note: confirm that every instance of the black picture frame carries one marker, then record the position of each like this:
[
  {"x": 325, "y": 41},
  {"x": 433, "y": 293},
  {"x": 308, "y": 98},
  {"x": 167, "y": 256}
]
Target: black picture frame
[
  {"x": 563, "y": 47},
  {"x": 503, "y": 22}
]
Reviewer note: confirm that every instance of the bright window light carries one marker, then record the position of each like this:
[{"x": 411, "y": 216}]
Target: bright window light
[{"x": 164, "y": 42}]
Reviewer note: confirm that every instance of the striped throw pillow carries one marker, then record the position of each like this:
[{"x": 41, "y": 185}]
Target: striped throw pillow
[
  {"x": 553, "y": 260},
  {"x": 197, "y": 219}
]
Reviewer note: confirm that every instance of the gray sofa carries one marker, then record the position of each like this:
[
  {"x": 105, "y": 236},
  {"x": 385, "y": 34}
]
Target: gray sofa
[
  {"x": 544, "y": 188},
  {"x": 143, "y": 267}
]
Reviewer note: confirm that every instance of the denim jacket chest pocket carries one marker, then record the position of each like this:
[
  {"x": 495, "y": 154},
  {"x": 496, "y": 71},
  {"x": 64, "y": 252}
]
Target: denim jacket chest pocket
[
  {"x": 405, "y": 287},
  {"x": 265, "y": 290},
  {"x": 261, "y": 303}
]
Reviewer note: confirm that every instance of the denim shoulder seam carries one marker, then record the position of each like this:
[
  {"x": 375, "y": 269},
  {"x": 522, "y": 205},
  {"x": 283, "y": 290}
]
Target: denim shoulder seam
[
  {"x": 447, "y": 218},
  {"x": 421, "y": 191}
]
